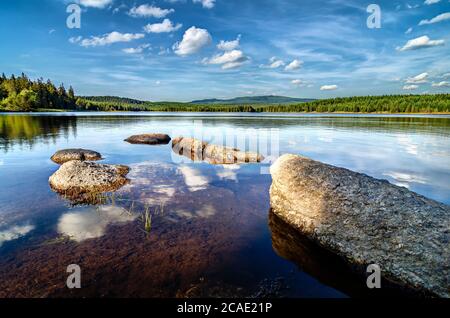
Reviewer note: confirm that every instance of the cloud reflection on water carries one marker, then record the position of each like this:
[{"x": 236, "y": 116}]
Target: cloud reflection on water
[
  {"x": 92, "y": 222},
  {"x": 15, "y": 232}
]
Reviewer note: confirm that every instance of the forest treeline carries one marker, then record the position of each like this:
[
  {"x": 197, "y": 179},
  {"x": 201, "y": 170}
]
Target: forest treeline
[{"x": 22, "y": 94}]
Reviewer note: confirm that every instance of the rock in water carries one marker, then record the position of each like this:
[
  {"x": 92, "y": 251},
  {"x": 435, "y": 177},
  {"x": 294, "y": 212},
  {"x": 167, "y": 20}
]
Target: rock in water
[
  {"x": 366, "y": 221},
  {"x": 149, "y": 139},
  {"x": 76, "y": 180},
  {"x": 198, "y": 150},
  {"x": 66, "y": 155}
]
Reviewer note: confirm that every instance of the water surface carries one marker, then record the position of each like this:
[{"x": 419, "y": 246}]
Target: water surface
[{"x": 211, "y": 232}]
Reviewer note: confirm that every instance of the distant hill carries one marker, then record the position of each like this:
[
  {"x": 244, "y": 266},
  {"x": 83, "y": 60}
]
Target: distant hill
[
  {"x": 113, "y": 99},
  {"x": 271, "y": 99}
]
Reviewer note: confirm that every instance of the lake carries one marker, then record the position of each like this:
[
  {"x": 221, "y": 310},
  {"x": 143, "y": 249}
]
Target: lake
[{"x": 212, "y": 233}]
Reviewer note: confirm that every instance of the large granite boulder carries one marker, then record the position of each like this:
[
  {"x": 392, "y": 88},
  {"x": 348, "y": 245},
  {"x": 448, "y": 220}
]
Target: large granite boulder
[
  {"x": 66, "y": 155},
  {"x": 77, "y": 180},
  {"x": 149, "y": 139},
  {"x": 198, "y": 150},
  {"x": 366, "y": 221}
]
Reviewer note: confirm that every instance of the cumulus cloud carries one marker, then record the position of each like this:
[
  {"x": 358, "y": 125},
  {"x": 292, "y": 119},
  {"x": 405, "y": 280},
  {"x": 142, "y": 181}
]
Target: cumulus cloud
[
  {"x": 164, "y": 27},
  {"x": 229, "y": 45},
  {"x": 410, "y": 87},
  {"x": 429, "y": 2},
  {"x": 436, "y": 19},
  {"x": 441, "y": 84},
  {"x": 420, "y": 43},
  {"x": 194, "y": 39},
  {"x": 147, "y": 11},
  {"x": 228, "y": 59},
  {"x": 100, "y": 4},
  {"x": 14, "y": 233},
  {"x": 300, "y": 83},
  {"x": 136, "y": 50},
  {"x": 418, "y": 79},
  {"x": 274, "y": 62},
  {"x": 106, "y": 39},
  {"x": 328, "y": 87},
  {"x": 208, "y": 4},
  {"x": 294, "y": 65}
]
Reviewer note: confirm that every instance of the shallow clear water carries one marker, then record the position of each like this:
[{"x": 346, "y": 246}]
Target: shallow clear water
[{"x": 210, "y": 232}]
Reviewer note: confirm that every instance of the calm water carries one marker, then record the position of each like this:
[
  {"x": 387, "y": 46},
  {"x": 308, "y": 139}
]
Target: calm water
[{"x": 212, "y": 233}]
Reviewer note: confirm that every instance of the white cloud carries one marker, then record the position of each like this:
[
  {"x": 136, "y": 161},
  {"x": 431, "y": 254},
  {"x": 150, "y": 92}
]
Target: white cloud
[
  {"x": 328, "y": 87},
  {"x": 92, "y": 222},
  {"x": 194, "y": 39},
  {"x": 208, "y": 4},
  {"x": 410, "y": 87},
  {"x": 274, "y": 62},
  {"x": 420, "y": 43},
  {"x": 229, "y": 45},
  {"x": 409, "y": 31},
  {"x": 147, "y": 11},
  {"x": 429, "y": 2},
  {"x": 136, "y": 50},
  {"x": 228, "y": 60},
  {"x": 164, "y": 27},
  {"x": 14, "y": 233},
  {"x": 441, "y": 84},
  {"x": 109, "y": 38},
  {"x": 436, "y": 19},
  {"x": 294, "y": 65},
  {"x": 299, "y": 83},
  {"x": 418, "y": 79},
  {"x": 100, "y": 4}
]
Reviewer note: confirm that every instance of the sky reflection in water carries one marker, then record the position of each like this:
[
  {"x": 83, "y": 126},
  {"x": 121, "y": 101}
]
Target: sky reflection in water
[{"x": 227, "y": 202}]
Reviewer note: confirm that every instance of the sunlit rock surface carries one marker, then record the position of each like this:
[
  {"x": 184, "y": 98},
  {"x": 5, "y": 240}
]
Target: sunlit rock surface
[
  {"x": 198, "y": 150},
  {"x": 77, "y": 179},
  {"x": 66, "y": 155},
  {"x": 366, "y": 221},
  {"x": 149, "y": 139}
]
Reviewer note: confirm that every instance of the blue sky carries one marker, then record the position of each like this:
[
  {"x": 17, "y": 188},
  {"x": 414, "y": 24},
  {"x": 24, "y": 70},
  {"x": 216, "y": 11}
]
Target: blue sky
[{"x": 181, "y": 50}]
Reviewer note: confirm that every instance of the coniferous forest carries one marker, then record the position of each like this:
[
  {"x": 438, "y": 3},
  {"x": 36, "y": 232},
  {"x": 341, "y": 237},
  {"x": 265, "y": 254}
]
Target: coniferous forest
[{"x": 21, "y": 94}]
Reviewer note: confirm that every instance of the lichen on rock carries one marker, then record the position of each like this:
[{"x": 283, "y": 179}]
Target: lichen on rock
[{"x": 78, "y": 180}]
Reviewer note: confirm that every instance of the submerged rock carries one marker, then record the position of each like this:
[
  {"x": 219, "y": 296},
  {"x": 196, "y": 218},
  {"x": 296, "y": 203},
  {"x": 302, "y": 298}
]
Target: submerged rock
[
  {"x": 66, "y": 155},
  {"x": 78, "y": 179},
  {"x": 366, "y": 221},
  {"x": 149, "y": 139},
  {"x": 214, "y": 154}
]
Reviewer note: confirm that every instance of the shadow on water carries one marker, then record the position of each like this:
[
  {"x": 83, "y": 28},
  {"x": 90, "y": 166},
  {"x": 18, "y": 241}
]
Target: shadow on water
[
  {"x": 326, "y": 267},
  {"x": 29, "y": 130}
]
